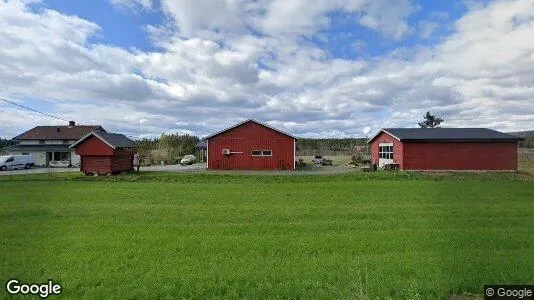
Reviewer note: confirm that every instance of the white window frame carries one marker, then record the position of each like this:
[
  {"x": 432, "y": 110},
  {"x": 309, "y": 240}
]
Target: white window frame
[
  {"x": 261, "y": 153},
  {"x": 385, "y": 151}
]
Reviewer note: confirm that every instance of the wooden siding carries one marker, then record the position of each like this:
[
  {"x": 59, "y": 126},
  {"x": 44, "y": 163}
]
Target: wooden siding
[
  {"x": 245, "y": 138},
  {"x": 93, "y": 146},
  {"x": 99, "y": 157},
  {"x": 435, "y": 155},
  {"x": 120, "y": 163},
  {"x": 96, "y": 164},
  {"x": 460, "y": 156},
  {"x": 397, "y": 148}
]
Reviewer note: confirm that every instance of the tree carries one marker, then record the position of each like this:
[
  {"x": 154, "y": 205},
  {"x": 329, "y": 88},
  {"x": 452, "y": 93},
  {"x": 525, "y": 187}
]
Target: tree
[{"x": 430, "y": 121}]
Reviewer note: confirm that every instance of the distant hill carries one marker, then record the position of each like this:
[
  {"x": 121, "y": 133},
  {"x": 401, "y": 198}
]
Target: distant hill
[{"x": 523, "y": 134}]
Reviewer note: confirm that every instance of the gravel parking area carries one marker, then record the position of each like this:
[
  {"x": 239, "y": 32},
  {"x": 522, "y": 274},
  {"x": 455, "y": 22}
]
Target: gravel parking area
[
  {"x": 199, "y": 167},
  {"x": 169, "y": 168}
]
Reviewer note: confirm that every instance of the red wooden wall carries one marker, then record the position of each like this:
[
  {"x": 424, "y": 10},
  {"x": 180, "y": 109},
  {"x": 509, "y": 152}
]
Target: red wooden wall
[
  {"x": 97, "y": 157},
  {"x": 245, "y": 138},
  {"x": 432, "y": 155},
  {"x": 460, "y": 156},
  {"x": 397, "y": 149}
]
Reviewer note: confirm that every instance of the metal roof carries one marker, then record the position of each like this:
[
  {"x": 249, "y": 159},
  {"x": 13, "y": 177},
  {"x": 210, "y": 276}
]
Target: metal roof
[
  {"x": 447, "y": 134},
  {"x": 114, "y": 140},
  {"x": 202, "y": 145},
  {"x": 246, "y": 121}
]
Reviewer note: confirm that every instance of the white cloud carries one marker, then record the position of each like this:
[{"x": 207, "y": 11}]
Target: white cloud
[
  {"x": 133, "y": 4},
  {"x": 212, "y": 71},
  {"x": 427, "y": 28}
]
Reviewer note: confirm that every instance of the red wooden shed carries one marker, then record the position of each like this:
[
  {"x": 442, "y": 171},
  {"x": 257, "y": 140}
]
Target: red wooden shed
[
  {"x": 251, "y": 145},
  {"x": 445, "y": 149},
  {"x": 105, "y": 153}
]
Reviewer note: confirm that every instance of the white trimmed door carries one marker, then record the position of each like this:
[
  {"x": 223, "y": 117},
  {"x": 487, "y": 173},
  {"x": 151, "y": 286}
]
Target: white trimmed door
[{"x": 385, "y": 154}]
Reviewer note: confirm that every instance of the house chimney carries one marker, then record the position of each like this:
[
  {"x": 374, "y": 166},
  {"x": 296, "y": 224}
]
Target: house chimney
[{"x": 72, "y": 123}]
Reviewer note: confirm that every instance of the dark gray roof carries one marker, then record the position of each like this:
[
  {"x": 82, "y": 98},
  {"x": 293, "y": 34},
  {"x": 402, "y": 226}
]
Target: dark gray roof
[
  {"x": 58, "y": 132},
  {"x": 114, "y": 140},
  {"x": 448, "y": 134},
  {"x": 117, "y": 140},
  {"x": 202, "y": 145}
]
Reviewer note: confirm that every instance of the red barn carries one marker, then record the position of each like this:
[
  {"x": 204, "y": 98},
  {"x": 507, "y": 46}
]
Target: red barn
[
  {"x": 251, "y": 145},
  {"x": 445, "y": 149},
  {"x": 105, "y": 153}
]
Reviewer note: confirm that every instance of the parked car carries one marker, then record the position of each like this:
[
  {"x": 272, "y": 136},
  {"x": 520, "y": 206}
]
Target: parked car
[
  {"x": 188, "y": 160},
  {"x": 12, "y": 162},
  {"x": 317, "y": 159}
]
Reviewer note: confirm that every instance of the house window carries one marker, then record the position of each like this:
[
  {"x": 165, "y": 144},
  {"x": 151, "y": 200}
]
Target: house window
[
  {"x": 262, "y": 152},
  {"x": 25, "y": 153},
  {"x": 41, "y": 142},
  {"x": 385, "y": 152},
  {"x": 65, "y": 141},
  {"x": 60, "y": 156}
]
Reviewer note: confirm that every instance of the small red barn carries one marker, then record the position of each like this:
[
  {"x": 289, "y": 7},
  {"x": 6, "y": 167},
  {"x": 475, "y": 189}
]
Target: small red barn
[
  {"x": 445, "y": 149},
  {"x": 251, "y": 145},
  {"x": 105, "y": 153}
]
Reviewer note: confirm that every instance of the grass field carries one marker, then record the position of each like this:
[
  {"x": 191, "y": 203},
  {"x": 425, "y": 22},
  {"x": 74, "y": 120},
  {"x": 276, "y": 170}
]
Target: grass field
[{"x": 379, "y": 236}]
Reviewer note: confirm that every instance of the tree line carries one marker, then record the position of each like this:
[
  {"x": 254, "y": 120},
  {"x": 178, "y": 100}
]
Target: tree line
[
  {"x": 4, "y": 143},
  {"x": 169, "y": 148},
  {"x": 330, "y": 144}
]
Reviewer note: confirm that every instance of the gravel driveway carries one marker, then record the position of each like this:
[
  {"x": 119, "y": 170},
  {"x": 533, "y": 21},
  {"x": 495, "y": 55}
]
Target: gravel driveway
[
  {"x": 169, "y": 168},
  {"x": 200, "y": 167}
]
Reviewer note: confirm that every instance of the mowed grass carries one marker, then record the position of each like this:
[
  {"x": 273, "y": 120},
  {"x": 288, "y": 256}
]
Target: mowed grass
[{"x": 218, "y": 236}]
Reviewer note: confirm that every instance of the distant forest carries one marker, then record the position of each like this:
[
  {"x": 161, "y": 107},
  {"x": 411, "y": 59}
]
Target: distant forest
[
  {"x": 330, "y": 144},
  {"x": 528, "y": 138},
  {"x": 6, "y": 143}
]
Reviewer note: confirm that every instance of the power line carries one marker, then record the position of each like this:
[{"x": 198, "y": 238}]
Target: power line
[{"x": 34, "y": 110}]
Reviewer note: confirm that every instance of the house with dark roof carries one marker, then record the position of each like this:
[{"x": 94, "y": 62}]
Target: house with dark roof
[
  {"x": 105, "y": 153},
  {"x": 251, "y": 145},
  {"x": 444, "y": 149},
  {"x": 49, "y": 145}
]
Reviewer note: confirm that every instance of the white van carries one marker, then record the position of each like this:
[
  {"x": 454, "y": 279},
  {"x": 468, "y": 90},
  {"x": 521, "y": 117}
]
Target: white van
[{"x": 11, "y": 162}]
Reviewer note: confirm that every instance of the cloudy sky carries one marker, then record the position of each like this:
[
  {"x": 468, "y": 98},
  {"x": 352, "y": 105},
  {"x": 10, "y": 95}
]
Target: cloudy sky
[{"x": 314, "y": 68}]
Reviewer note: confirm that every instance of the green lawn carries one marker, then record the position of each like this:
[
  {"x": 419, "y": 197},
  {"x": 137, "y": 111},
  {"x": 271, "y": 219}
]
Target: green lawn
[{"x": 231, "y": 236}]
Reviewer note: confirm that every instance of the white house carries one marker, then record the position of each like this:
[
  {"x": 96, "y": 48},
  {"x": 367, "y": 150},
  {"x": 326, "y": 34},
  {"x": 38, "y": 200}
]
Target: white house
[{"x": 49, "y": 145}]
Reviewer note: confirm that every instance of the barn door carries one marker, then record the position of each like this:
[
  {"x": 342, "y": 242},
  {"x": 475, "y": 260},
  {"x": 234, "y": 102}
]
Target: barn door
[{"x": 385, "y": 154}]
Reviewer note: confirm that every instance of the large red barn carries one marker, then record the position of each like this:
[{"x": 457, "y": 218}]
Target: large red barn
[
  {"x": 445, "y": 149},
  {"x": 105, "y": 153},
  {"x": 251, "y": 145}
]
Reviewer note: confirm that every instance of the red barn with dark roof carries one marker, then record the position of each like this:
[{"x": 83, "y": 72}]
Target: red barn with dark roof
[
  {"x": 105, "y": 153},
  {"x": 445, "y": 149},
  {"x": 251, "y": 145}
]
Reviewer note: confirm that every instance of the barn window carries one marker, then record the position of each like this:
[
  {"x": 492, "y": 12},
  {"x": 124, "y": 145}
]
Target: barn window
[
  {"x": 262, "y": 152},
  {"x": 385, "y": 152}
]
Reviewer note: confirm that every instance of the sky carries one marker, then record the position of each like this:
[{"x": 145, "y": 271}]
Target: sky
[{"x": 313, "y": 68}]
